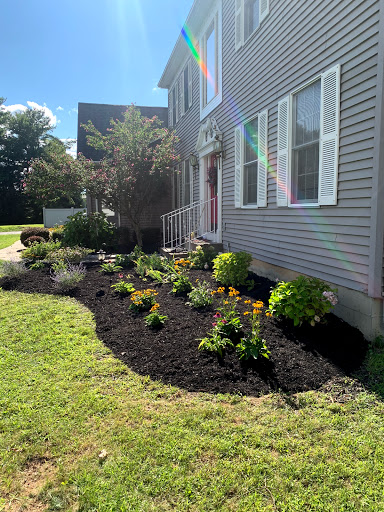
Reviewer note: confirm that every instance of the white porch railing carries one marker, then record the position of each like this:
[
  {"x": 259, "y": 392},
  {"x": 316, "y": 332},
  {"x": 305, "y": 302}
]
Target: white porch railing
[{"x": 198, "y": 219}]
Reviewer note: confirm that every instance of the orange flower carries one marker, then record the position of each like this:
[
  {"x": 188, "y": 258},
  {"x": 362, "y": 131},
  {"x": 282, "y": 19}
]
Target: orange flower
[
  {"x": 268, "y": 313},
  {"x": 247, "y": 302}
]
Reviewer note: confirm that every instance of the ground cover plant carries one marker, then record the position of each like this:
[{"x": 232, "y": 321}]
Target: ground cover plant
[
  {"x": 79, "y": 430},
  {"x": 8, "y": 240}
]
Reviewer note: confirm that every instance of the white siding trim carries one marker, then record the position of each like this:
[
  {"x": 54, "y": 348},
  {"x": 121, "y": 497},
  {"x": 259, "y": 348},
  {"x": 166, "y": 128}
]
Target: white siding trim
[
  {"x": 263, "y": 9},
  {"x": 239, "y": 24}
]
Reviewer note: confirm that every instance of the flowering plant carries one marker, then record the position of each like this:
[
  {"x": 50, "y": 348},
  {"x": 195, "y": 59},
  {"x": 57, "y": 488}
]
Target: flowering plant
[
  {"x": 154, "y": 319},
  {"x": 252, "y": 345},
  {"x": 306, "y": 299},
  {"x": 143, "y": 300}
]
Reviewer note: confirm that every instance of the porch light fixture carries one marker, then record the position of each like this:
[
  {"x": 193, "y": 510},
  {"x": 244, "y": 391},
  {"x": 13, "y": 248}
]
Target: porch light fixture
[
  {"x": 218, "y": 148},
  {"x": 194, "y": 161},
  {"x": 101, "y": 255}
]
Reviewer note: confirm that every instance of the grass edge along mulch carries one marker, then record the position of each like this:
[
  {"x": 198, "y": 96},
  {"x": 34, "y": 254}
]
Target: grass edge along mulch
[
  {"x": 64, "y": 399},
  {"x": 18, "y": 227}
]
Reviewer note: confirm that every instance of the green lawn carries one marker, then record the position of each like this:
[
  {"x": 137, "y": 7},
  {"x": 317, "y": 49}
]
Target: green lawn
[
  {"x": 19, "y": 227},
  {"x": 7, "y": 240},
  {"x": 64, "y": 398}
]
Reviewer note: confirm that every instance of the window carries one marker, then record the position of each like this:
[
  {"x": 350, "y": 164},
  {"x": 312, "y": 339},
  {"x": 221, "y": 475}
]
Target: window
[
  {"x": 251, "y": 162},
  {"x": 308, "y": 142},
  {"x": 173, "y": 103},
  {"x": 248, "y": 16},
  {"x": 187, "y": 183},
  {"x": 305, "y": 144},
  {"x": 211, "y": 71},
  {"x": 186, "y": 88}
]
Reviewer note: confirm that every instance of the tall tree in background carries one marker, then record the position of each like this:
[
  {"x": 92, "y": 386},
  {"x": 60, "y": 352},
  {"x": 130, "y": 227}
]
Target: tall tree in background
[{"x": 23, "y": 136}]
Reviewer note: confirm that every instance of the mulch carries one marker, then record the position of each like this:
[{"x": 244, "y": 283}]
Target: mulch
[{"x": 301, "y": 359}]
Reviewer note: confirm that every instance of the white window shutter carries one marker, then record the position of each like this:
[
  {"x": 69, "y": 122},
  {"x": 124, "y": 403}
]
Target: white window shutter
[
  {"x": 262, "y": 172},
  {"x": 170, "y": 109},
  {"x": 263, "y": 9},
  {"x": 238, "y": 163},
  {"x": 190, "y": 170},
  {"x": 183, "y": 171},
  {"x": 181, "y": 79},
  {"x": 239, "y": 23},
  {"x": 282, "y": 152},
  {"x": 190, "y": 83},
  {"x": 176, "y": 92},
  {"x": 329, "y": 136}
]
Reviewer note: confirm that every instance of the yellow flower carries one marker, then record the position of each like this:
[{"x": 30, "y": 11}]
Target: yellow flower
[
  {"x": 256, "y": 311},
  {"x": 268, "y": 313},
  {"x": 247, "y": 302},
  {"x": 226, "y": 302},
  {"x": 247, "y": 313},
  {"x": 213, "y": 292},
  {"x": 258, "y": 304},
  {"x": 238, "y": 298}
]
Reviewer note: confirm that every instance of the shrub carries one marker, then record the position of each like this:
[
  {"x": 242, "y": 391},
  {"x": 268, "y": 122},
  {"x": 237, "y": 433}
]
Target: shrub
[
  {"x": 231, "y": 268},
  {"x": 29, "y": 241},
  {"x": 143, "y": 300},
  {"x": 68, "y": 278},
  {"x": 123, "y": 287},
  {"x": 13, "y": 268},
  {"x": 200, "y": 296},
  {"x": 70, "y": 254},
  {"x": 181, "y": 284},
  {"x": 306, "y": 299},
  {"x": 88, "y": 231},
  {"x": 154, "y": 319},
  {"x": 57, "y": 233},
  {"x": 28, "y": 232},
  {"x": 40, "y": 251},
  {"x": 202, "y": 257}
]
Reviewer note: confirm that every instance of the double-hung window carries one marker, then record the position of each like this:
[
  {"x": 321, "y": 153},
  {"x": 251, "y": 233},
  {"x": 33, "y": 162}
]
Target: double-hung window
[
  {"x": 251, "y": 162},
  {"x": 211, "y": 69},
  {"x": 186, "y": 183},
  {"x": 248, "y": 16},
  {"x": 186, "y": 88},
  {"x": 173, "y": 103},
  {"x": 308, "y": 141}
]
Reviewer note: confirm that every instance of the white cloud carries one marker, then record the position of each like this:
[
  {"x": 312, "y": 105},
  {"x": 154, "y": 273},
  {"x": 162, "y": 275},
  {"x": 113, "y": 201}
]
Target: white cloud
[
  {"x": 59, "y": 108},
  {"x": 14, "y": 108},
  {"x": 73, "y": 148},
  {"x": 155, "y": 89},
  {"x": 74, "y": 109},
  {"x": 47, "y": 112}
]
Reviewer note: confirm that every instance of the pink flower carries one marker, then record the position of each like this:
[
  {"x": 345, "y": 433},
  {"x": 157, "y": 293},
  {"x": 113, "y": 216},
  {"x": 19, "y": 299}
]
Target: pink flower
[{"x": 121, "y": 276}]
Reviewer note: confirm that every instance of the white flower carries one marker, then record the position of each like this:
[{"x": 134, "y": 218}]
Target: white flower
[{"x": 317, "y": 318}]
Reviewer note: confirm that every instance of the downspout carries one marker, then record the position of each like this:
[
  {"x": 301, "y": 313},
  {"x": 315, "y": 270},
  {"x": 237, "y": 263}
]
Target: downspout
[{"x": 376, "y": 252}]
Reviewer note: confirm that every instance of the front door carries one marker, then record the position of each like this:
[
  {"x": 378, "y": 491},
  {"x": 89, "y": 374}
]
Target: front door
[{"x": 210, "y": 206}]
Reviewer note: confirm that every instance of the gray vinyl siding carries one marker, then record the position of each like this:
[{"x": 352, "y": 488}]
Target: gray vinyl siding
[{"x": 297, "y": 42}]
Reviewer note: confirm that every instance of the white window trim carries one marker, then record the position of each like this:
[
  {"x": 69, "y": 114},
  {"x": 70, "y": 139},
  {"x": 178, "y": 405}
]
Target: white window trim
[
  {"x": 217, "y": 14},
  {"x": 187, "y": 65},
  {"x": 241, "y": 12},
  {"x": 242, "y": 205}
]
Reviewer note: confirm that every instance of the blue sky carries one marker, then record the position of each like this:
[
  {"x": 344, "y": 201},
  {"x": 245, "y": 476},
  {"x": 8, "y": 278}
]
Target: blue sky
[{"x": 57, "y": 53}]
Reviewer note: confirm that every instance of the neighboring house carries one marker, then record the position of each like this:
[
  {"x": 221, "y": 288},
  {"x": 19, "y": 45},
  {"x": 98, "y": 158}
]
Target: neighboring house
[
  {"x": 101, "y": 115},
  {"x": 283, "y": 101}
]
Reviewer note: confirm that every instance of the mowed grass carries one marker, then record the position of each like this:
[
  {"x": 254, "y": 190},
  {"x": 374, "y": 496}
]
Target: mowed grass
[
  {"x": 19, "y": 227},
  {"x": 7, "y": 240},
  {"x": 64, "y": 398}
]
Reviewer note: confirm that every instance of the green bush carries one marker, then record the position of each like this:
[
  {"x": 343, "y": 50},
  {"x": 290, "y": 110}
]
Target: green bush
[
  {"x": 28, "y": 232},
  {"x": 306, "y": 299},
  {"x": 40, "y": 251},
  {"x": 231, "y": 268},
  {"x": 88, "y": 231},
  {"x": 203, "y": 257}
]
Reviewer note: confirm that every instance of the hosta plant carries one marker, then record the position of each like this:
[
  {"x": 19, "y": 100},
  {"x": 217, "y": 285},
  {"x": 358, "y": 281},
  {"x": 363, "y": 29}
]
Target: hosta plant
[{"x": 306, "y": 299}]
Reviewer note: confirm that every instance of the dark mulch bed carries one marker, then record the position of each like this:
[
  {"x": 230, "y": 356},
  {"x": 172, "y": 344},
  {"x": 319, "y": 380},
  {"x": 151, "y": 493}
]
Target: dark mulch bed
[{"x": 301, "y": 358}]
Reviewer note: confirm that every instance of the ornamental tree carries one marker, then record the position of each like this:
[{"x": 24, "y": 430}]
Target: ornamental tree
[{"x": 138, "y": 158}]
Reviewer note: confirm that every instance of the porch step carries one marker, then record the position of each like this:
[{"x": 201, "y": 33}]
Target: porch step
[
  {"x": 179, "y": 252},
  {"x": 182, "y": 252}
]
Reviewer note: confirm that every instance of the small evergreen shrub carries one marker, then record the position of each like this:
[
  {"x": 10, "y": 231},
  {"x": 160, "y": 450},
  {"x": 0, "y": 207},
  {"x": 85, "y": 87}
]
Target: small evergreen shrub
[
  {"x": 306, "y": 299},
  {"x": 28, "y": 232},
  {"x": 67, "y": 279},
  {"x": 57, "y": 233},
  {"x": 231, "y": 268}
]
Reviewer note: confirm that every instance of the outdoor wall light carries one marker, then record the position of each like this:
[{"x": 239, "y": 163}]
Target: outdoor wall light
[
  {"x": 218, "y": 148},
  {"x": 194, "y": 161},
  {"x": 101, "y": 255}
]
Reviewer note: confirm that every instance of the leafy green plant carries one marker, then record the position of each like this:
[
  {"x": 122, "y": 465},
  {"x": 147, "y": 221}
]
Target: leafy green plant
[
  {"x": 141, "y": 266},
  {"x": 33, "y": 231},
  {"x": 143, "y": 300},
  {"x": 70, "y": 254},
  {"x": 156, "y": 262},
  {"x": 214, "y": 342},
  {"x": 57, "y": 233},
  {"x": 109, "y": 267},
  {"x": 38, "y": 265},
  {"x": 227, "y": 319},
  {"x": 202, "y": 257},
  {"x": 123, "y": 287},
  {"x": 231, "y": 268},
  {"x": 124, "y": 260},
  {"x": 58, "y": 265},
  {"x": 68, "y": 278},
  {"x": 200, "y": 296},
  {"x": 157, "y": 276},
  {"x": 181, "y": 284},
  {"x": 252, "y": 345},
  {"x": 39, "y": 251},
  {"x": 306, "y": 299},
  {"x": 12, "y": 268},
  {"x": 88, "y": 230},
  {"x": 154, "y": 319}
]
